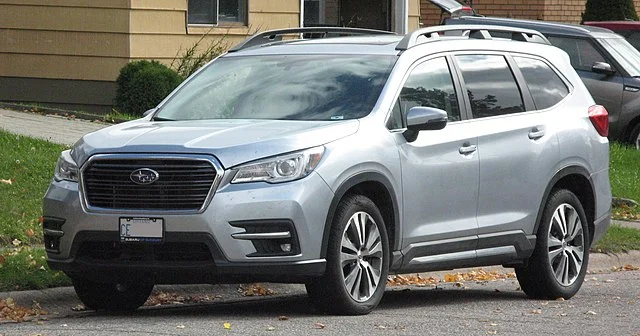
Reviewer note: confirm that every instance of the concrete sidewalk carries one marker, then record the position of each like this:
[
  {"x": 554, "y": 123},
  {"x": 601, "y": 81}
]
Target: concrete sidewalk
[{"x": 48, "y": 127}]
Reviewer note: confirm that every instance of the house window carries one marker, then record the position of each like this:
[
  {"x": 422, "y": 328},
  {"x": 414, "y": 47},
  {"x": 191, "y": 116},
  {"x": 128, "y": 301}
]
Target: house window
[
  {"x": 213, "y": 12},
  {"x": 314, "y": 13}
]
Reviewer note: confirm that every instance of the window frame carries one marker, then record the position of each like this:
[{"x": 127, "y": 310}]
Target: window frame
[
  {"x": 222, "y": 23},
  {"x": 563, "y": 79},
  {"x": 515, "y": 71},
  {"x": 464, "y": 112}
]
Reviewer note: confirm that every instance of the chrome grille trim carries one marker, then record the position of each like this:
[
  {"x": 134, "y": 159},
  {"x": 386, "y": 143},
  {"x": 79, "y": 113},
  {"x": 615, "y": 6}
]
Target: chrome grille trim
[{"x": 202, "y": 184}]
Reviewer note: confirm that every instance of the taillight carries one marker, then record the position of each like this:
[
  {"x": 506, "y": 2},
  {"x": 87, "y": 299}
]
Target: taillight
[{"x": 600, "y": 119}]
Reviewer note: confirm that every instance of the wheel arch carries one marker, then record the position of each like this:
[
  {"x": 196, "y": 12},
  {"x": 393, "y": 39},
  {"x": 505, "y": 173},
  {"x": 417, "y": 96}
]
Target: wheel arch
[
  {"x": 575, "y": 179},
  {"x": 380, "y": 190}
]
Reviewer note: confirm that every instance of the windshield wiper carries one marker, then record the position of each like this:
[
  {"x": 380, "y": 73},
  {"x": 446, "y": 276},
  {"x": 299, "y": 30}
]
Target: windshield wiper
[{"x": 162, "y": 119}]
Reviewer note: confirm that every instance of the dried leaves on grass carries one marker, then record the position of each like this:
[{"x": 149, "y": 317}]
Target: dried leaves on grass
[
  {"x": 160, "y": 298},
  {"x": 626, "y": 268},
  {"x": 10, "y": 311}
]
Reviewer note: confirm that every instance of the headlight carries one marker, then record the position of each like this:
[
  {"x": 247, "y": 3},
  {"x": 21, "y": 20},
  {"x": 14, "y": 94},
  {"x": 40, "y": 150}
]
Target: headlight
[
  {"x": 66, "y": 168},
  {"x": 281, "y": 168}
]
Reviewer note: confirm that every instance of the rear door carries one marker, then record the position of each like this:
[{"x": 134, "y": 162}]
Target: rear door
[{"x": 517, "y": 150}]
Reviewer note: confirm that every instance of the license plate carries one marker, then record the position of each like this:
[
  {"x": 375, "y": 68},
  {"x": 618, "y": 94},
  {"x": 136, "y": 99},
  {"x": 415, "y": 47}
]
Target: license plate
[{"x": 141, "y": 229}]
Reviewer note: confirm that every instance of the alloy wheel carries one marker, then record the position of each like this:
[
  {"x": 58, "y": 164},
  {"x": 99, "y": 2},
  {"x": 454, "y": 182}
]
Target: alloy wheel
[
  {"x": 566, "y": 243},
  {"x": 361, "y": 256}
]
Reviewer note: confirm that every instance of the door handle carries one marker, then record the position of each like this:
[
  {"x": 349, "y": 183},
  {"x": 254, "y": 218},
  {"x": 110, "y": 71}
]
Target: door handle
[
  {"x": 536, "y": 134},
  {"x": 467, "y": 149}
]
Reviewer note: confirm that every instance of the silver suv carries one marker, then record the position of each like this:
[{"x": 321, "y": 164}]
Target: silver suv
[{"x": 336, "y": 161}]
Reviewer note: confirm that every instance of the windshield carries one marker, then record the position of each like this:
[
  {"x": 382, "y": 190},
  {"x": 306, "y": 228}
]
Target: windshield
[
  {"x": 624, "y": 53},
  {"x": 288, "y": 87}
]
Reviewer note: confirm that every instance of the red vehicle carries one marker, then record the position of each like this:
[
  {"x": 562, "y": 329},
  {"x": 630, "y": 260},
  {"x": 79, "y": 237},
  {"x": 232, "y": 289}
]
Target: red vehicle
[{"x": 629, "y": 29}]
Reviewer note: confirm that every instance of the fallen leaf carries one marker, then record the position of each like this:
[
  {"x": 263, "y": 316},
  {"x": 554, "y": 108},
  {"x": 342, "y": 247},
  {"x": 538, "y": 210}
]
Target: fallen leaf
[
  {"x": 3, "y": 181},
  {"x": 30, "y": 233},
  {"x": 16, "y": 242},
  {"x": 591, "y": 312},
  {"x": 536, "y": 311},
  {"x": 1, "y": 259},
  {"x": 270, "y": 328},
  {"x": 492, "y": 332},
  {"x": 79, "y": 308},
  {"x": 283, "y": 318},
  {"x": 227, "y": 325},
  {"x": 180, "y": 326},
  {"x": 257, "y": 289},
  {"x": 319, "y": 325}
]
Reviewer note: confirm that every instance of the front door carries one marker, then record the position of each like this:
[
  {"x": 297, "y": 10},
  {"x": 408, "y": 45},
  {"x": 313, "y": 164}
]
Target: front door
[{"x": 439, "y": 174}]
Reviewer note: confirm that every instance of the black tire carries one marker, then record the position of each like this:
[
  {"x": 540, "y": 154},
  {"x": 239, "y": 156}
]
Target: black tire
[
  {"x": 111, "y": 296},
  {"x": 634, "y": 136},
  {"x": 330, "y": 292},
  {"x": 545, "y": 276}
]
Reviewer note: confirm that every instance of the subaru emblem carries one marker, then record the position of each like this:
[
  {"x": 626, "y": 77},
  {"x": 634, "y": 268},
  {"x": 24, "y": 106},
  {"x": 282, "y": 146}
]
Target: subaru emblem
[{"x": 144, "y": 176}]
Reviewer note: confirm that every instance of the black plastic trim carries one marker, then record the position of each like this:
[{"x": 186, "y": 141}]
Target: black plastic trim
[{"x": 342, "y": 190}]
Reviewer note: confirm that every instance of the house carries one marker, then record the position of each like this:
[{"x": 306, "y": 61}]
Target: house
[
  {"x": 68, "y": 53},
  {"x": 567, "y": 11}
]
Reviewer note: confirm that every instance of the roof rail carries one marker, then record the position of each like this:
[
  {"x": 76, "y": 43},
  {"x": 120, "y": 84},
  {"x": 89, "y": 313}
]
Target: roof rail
[
  {"x": 319, "y": 32},
  {"x": 473, "y": 32}
]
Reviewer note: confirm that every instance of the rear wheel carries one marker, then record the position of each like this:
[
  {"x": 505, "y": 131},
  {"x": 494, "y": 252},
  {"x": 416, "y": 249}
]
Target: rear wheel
[
  {"x": 112, "y": 296},
  {"x": 557, "y": 267},
  {"x": 357, "y": 260}
]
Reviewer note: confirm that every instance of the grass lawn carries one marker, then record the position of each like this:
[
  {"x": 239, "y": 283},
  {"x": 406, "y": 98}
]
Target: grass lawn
[
  {"x": 619, "y": 239},
  {"x": 28, "y": 164},
  {"x": 25, "y": 267},
  {"x": 624, "y": 172}
]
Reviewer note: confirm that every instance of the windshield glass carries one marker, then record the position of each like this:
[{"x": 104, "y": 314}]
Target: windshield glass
[
  {"x": 624, "y": 53},
  {"x": 288, "y": 87}
]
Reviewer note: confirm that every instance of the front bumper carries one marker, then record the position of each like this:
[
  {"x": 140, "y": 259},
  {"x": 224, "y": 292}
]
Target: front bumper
[{"x": 203, "y": 247}]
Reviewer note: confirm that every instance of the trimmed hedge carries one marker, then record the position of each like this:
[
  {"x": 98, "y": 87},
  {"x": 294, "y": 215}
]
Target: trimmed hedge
[
  {"x": 609, "y": 10},
  {"x": 141, "y": 85}
]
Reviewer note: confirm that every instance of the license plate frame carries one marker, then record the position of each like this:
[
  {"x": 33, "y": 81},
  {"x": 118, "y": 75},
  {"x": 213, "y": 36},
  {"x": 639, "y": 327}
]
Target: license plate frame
[{"x": 141, "y": 229}]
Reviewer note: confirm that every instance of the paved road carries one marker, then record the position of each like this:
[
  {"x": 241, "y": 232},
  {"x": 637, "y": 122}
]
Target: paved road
[{"x": 608, "y": 304}]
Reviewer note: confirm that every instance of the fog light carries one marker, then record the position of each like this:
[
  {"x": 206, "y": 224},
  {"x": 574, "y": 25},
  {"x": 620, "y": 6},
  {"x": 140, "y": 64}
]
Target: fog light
[{"x": 285, "y": 247}]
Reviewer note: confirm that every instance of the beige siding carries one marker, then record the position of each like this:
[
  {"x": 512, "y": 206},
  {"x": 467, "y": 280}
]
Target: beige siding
[
  {"x": 414, "y": 14},
  {"x": 61, "y": 67}
]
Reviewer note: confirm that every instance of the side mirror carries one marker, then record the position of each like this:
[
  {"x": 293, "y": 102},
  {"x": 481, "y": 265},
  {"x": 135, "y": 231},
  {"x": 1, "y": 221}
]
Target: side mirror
[
  {"x": 603, "y": 68},
  {"x": 422, "y": 118},
  {"x": 148, "y": 112}
]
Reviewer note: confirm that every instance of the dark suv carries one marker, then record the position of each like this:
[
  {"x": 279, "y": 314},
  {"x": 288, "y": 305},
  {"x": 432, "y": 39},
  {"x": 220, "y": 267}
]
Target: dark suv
[{"x": 608, "y": 65}]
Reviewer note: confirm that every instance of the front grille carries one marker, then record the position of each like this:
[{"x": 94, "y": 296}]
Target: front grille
[
  {"x": 182, "y": 184},
  {"x": 165, "y": 252}
]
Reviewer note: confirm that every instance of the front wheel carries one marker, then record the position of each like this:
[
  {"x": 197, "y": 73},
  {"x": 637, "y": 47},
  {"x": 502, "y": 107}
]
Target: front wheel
[
  {"x": 558, "y": 265},
  {"x": 357, "y": 260},
  {"x": 112, "y": 296}
]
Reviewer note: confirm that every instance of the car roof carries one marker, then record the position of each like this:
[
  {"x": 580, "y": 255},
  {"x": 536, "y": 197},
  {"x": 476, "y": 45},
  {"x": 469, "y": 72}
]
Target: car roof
[
  {"x": 615, "y": 25},
  {"x": 541, "y": 26},
  {"x": 363, "y": 45}
]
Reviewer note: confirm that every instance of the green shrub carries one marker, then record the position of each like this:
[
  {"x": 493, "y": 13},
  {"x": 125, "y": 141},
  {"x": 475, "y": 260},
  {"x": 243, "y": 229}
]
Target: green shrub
[
  {"x": 609, "y": 10},
  {"x": 141, "y": 85}
]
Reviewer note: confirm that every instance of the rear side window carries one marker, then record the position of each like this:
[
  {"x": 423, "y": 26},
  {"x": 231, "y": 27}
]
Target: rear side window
[
  {"x": 490, "y": 84},
  {"x": 546, "y": 88}
]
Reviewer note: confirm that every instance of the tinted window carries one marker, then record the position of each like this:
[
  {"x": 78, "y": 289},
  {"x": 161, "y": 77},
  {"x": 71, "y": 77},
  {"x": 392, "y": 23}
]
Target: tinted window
[
  {"x": 430, "y": 85},
  {"x": 581, "y": 52},
  {"x": 289, "y": 87},
  {"x": 546, "y": 88},
  {"x": 491, "y": 87}
]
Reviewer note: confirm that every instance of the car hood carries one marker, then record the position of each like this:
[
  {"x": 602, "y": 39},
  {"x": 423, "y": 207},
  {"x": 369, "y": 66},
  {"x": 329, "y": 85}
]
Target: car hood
[{"x": 231, "y": 141}]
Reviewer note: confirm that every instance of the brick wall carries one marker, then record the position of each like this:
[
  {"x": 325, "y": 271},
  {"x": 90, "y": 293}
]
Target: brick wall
[{"x": 568, "y": 11}]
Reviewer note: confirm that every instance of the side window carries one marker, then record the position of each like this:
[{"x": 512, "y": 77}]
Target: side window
[
  {"x": 490, "y": 84},
  {"x": 547, "y": 89},
  {"x": 430, "y": 85},
  {"x": 581, "y": 52}
]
